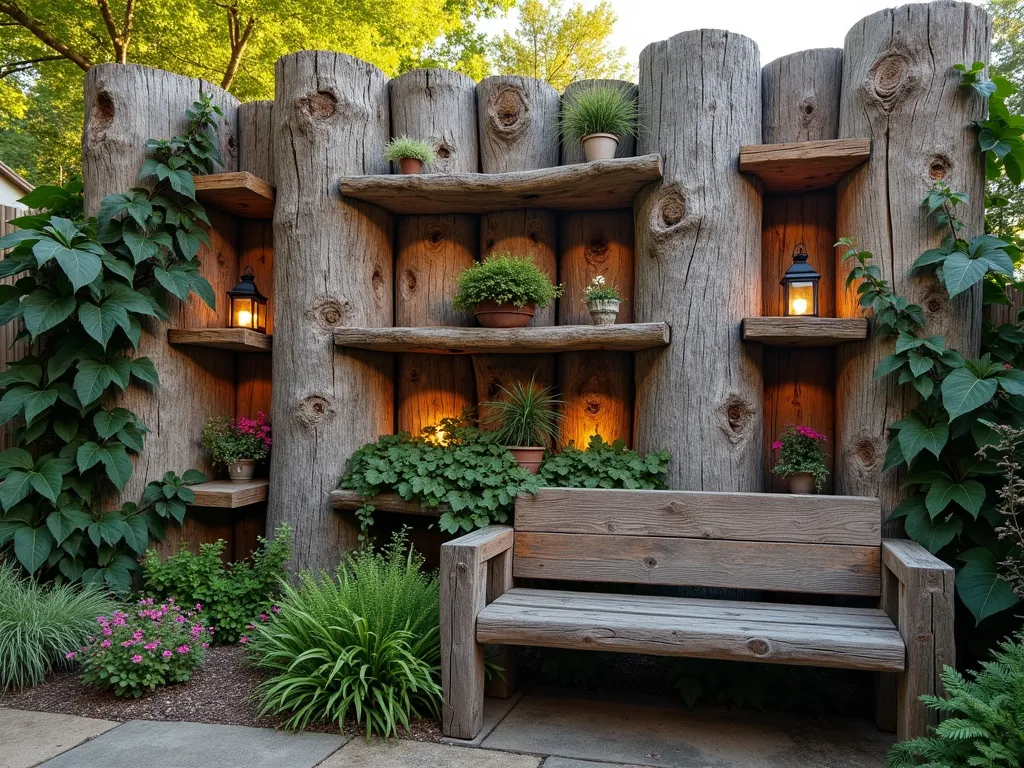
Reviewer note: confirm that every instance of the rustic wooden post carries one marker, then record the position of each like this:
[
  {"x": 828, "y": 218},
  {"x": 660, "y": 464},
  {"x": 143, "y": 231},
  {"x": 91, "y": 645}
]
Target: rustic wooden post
[
  {"x": 125, "y": 105},
  {"x": 800, "y": 102},
  {"x": 900, "y": 89},
  {"x": 597, "y": 387},
  {"x": 332, "y": 268},
  {"x": 698, "y": 241}
]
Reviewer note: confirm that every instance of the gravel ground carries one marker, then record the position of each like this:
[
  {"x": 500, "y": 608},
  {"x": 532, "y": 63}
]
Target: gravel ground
[{"x": 220, "y": 692}]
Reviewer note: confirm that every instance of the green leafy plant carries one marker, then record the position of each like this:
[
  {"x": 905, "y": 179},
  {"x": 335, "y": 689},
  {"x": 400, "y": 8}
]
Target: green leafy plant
[
  {"x": 983, "y": 721},
  {"x": 230, "y": 440},
  {"x": 505, "y": 279},
  {"x": 40, "y": 624},
  {"x": 526, "y": 417},
  {"x": 234, "y": 596},
  {"x": 599, "y": 290},
  {"x": 802, "y": 449},
  {"x": 403, "y": 147},
  {"x": 85, "y": 287},
  {"x": 605, "y": 465},
  {"x": 599, "y": 109},
  {"x": 365, "y": 643}
]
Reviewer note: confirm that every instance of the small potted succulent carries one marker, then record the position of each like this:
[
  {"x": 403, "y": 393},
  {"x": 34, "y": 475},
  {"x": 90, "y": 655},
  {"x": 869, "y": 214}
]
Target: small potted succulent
[
  {"x": 603, "y": 301},
  {"x": 526, "y": 419},
  {"x": 598, "y": 117},
  {"x": 504, "y": 290},
  {"x": 801, "y": 459},
  {"x": 410, "y": 154},
  {"x": 237, "y": 444}
]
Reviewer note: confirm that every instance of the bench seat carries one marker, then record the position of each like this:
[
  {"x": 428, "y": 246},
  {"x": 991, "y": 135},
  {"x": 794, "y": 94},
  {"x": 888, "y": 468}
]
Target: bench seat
[{"x": 824, "y": 636}]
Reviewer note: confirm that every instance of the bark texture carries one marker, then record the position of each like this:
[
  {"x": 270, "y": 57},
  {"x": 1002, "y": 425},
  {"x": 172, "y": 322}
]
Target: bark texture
[
  {"x": 438, "y": 106},
  {"x": 900, "y": 89},
  {"x": 699, "y": 235},
  {"x": 333, "y": 267},
  {"x": 572, "y": 151}
]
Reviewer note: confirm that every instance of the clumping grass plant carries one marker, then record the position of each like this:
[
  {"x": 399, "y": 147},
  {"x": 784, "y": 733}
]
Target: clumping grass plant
[
  {"x": 40, "y": 625},
  {"x": 527, "y": 415},
  {"x": 404, "y": 147},
  {"x": 505, "y": 279},
  {"x": 364, "y": 643},
  {"x": 802, "y": 449},
  {"x": 599, "y": 109}
]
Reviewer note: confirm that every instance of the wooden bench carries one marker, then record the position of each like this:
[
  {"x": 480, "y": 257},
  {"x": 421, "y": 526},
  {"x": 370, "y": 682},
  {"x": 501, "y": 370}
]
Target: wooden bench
[{"x": 772, "y": 542}]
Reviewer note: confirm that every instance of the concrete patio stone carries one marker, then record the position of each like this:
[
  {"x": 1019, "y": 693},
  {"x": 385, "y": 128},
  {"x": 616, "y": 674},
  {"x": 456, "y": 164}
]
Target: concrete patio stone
[
  {"x": 495, "y": 711},
  {"x": 418, "y": 754},
  {"x": 29, "y": 738}
]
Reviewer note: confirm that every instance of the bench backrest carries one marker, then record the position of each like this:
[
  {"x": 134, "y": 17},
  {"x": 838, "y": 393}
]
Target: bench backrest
[{"x": 789, "y": 543}]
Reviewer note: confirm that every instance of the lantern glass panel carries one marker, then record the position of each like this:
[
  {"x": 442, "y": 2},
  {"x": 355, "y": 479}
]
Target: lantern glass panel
[
  {"x": 242, "y": 312},
  {"x": 801, "y": 298}
]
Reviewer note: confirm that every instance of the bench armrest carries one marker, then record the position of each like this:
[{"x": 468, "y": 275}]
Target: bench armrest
[
  {"x": 908, "y": 561},
  {"x": 485, "y": 543}
]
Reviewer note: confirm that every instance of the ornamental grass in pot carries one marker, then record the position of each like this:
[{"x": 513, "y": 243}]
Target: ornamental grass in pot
[
  {"x": 801, "y": 459},
  {"x": 526, "y": 419},
  {"x": 410, "y": 154},
  {"x": 237, "y": 444},
  {"x": 504, "y": 290},
  {"x": 603, "y": 301},
  {"x": 598, "y": 117}
]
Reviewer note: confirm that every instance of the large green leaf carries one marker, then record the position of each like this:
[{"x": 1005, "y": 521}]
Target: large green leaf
[
  {"x": 143, "y": 368},
  {"x": 113, "y": 457},
  {"x": 49, "y": 476},
  {"x": 15, "y": 487},
  {"x": 963, "y": 391},
  {"x": 960, "y": 272},
  {"x": 174, "y": 280},
  {"x": 108, "y": 423},
  {"x": 65, "y": 521},
  {"x": 933, "y": 535},
  {"x": 92, "y": 379},
  {"x": 32, "y": 546},
  {"x": 969, "y": 494},
  {"x": 15, "y": 458},
  {"x": 101, "y": 321},
  {"x": 136, "y": 533},
  {"x": 110, "y": 528},
  {"x": 42, "y": 310},
  {"x": 38, "y": 401},
  {"x": 917, "y": 435},
  {"x": 980, "y": 587}
]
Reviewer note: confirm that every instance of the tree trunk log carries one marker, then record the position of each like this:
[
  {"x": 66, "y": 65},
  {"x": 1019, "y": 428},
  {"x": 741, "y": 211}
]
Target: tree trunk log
[
  {"x": 699, "y": 231},
  {"x": 438, "y": 106},
  {"x": 518, "y": 118},
  {"x": 900, "y": 89},
  {"x": 332, "y": 267}
]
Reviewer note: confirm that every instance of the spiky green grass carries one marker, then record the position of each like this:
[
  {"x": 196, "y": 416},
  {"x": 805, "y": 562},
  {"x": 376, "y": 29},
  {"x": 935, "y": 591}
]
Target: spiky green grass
[{"x": 599, "y": 109}]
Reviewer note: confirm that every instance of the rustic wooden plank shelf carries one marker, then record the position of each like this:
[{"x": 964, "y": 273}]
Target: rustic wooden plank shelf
[
  {"x": 597, "y": 186},
  {"x": 233, "y": 339},
  {"x": 803, "y": 165},
  {"x": 628, "y": 337},
  {"x": 226, "y": 494},
  {"x": 241, "y": 194},
  {"x": 804, "y": 331},
  {"x": 383, "y": 502}
]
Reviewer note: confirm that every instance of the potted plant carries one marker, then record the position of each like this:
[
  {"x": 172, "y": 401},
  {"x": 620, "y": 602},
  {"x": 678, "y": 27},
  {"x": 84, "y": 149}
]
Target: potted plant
[
  {"x": 237, "y": 444},
  {"x": 801, "y": 459},
  {"x": 526, "y": 420},
  {"x": 503, "y": 290},
  {"x": 410, "y": 154},
  {"x": 598, "y": 117},
  {"x": 603, "y": 301}
]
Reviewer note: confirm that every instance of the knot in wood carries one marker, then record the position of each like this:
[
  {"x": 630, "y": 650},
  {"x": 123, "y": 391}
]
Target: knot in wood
[
  {"x": 330, "y": 313},
  {"x": 318, "y": 105},
  {"x": 737, "y": 415},
  {"x": 939, "y": 166},
  {"x": 444, "y": 151},
  {"x": 314, "y": 410},
  {"x": 409, "y": 282},
  {"x": 379, "y": 285},
  {"x": 592, "y": 407},
  {"x": 436, "y": 233},
  {"x": 675, "y": 508},
  {"x": 867, "y": 453},
  {"x": 935, "y": 300},
  {"x": 412, "y": 374},
  {"x": 669, "y": 213},
  {"x": 649, "y": 562},
  {"x": 596, "y": 250},
  {"x": 102, "y": 112},
  {"x": 758, "y": 646},
  {"x": 889, "y": 80},
  {"x": 461, "y": 567},
  {"x": 508, "y": 112}
]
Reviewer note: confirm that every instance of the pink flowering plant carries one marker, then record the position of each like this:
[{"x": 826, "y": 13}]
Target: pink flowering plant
[
  {"x": 133, "y": 653},
  {"x": 231, "y": 440},
  {"x": 801, "y": 449}
]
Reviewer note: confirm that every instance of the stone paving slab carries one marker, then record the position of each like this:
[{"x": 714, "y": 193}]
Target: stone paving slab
[
  {"x": 419, "y": 754},
  {"x": 570, "y": 762},
  {"x": 495, "y": 711},
  {"x": 174, "y": 745},
  {"x": 29, "y": 738}
]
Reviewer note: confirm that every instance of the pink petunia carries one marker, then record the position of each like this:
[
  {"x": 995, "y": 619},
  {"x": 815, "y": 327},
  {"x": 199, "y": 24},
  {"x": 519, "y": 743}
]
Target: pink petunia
[
  {"x": 243, "y": 639},
  {"x": 182, "y": 649},
  {"x": 70, "y": 655},
  {"x": 136, "y": 659},
  {"x": 776, "y": 445},
  {"x": 167, "y": 654},
  {"x": 105, "y": 644}
]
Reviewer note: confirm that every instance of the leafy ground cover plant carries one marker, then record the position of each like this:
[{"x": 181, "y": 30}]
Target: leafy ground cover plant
[
  {"x": 364, "y": 643},
  {"x": 505, "y": 279},
  {"x": 158, "y": 644},
  {"x": 605, "y": 465},
  {"x": 801, "y": 449},
  {"x": 527, "y": 415},
  {"x": 234, "y": 596},
  {"x": 40, "y": 624},
  {"x": 230, "y": 440},
  {"x": 599, "y": 109},
  {"x": 404, "y": 147}
]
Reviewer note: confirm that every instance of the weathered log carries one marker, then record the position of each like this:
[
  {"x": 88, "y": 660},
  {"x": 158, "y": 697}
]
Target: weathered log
[
  {"x": 900, "y": 89},
  {"x": 518, "y": 118},
  {"x": 699, "y": 231},
  {"x": 126, "y": 105},
  {"x": 800, "y": 96},
  {"x": 332, "y": 268},
  {"x": 383, "y": 502},
  {"x": 804, "y": 166},
  {"x": 572, "y": 151},
  {"x": 438, "y": 106},
  {"x": 805, "y": 331}
]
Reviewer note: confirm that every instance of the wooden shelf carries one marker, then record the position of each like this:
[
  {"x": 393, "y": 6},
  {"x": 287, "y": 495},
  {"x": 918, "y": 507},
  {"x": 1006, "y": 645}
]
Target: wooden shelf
[
  {"x": 233, "y": 339},
  {"x": 804, "y": 331},
  {"x": 630, "y": 337},
  {"x": 383, "y": 502},
  {"x": 597, "y": 186},
  {"x": 226, "y": 494},
  {"x": 803, "y": 165},
  {"x": 241, "y": 194}
]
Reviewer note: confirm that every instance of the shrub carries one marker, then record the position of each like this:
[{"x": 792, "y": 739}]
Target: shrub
[
  {"x": 365, "y": 642},
  {"x": 605, "y": 465},
  {"x": 229, "y": 440},
  {"x": 599, "y": 290},
  {"x": 984, "y": 723},
  {"x": 599, "y": 109},
  {"x": 233, "y": 595},
  {"x": 505, "y": 279},
  {"x": 802, "y": 450},
  {"x": 39, "y": 625},
  {"x": 527, "y": 415},
  {"x": 402, "y": 147},
  {"x": 135, "y": 653}
]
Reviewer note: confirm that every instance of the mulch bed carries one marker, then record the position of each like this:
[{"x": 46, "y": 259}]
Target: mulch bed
[{"x": 220, "y": 692}]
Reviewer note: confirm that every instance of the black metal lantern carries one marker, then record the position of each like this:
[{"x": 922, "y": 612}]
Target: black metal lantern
[
  {"x": 248, "y": 305},
  {"x": 800, "y": 284}
]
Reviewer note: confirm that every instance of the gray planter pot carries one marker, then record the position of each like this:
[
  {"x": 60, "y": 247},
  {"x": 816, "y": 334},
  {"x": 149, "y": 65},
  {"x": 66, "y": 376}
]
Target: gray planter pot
[{"x": 604, "y": 311}]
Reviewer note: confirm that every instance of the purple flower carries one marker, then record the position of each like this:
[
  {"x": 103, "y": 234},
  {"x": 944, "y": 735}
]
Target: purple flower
[
  {"x": 127, "y": 644},
  {"x": 243, "y": 639},
  {"x": 776, "y": 445},
  {"x": 182, "y": 649},
  {"x": 151, "y": 646},
  {"x": 69, "y": 655},
  {"x": 167, "y": 654},
  {"x": 105, "y": 644},
  {"x": 136, "y": 659}
]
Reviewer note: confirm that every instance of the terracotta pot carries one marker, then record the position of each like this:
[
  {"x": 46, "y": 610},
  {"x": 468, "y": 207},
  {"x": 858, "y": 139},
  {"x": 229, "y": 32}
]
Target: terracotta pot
[
  {"x": 240, "y": 471},
  {"x": 491, "y": 315},
  {"x": 528, "y": 458},
  {"x": 411, "y": 165},
  {"x": 604, "y": 311},
  {"x": 801, "y": 482},
  {"x": 600, "y": 146}
]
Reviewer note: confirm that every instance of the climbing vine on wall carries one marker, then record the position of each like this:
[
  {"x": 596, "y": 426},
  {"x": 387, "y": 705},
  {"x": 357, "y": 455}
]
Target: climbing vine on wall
[{"x": 84, "y": 286}]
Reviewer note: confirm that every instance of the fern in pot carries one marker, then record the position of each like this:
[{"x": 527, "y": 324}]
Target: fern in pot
[
  {"x": 526, "y": 420},
  {"x": 598, "y": 117},
  {"x": 410, "y": 154},
  {"x": 504, "y": 290}
]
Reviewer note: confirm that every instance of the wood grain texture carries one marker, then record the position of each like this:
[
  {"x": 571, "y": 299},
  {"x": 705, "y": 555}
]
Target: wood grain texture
[
  {"x": 699, "y": 233},
  {"x": 332, "y": 268},
  {"x": 811, "y": 568},
  {"x": 500, "y": 581},
  {"x": 804, "y": 331},
  {"x": 805, "y": 165},
  {"x": 897, "y": 76},
  {"x": 800, "y": 96},
  {"x": 438, "y": 106},
  {"x": 701, "y": 515},
  {"x": 383, "y": 502},
  {"x": 11, "y": 347},
  {"x": 233, "y": 339},
  {"x": 518, "y": 124},
  {"x": 230, "y": 495},
  {"x": 572, "y": 151},
  {"x": 239, "y": 194}
]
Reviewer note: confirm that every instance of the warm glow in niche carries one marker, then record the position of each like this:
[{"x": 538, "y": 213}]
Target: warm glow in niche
[
  {"x": 248, "y": 305},
  {"x": 800, "y": 286}
]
